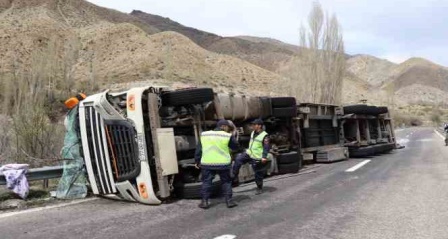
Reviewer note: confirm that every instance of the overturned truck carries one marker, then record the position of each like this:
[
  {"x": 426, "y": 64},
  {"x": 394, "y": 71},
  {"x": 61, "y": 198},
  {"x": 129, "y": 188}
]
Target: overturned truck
[{"x": 139, "y": 145}]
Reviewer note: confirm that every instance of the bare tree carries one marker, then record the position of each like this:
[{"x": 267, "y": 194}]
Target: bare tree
[
  {"x": 320, "y": 63},
  {"x": 32, "y": 96}
]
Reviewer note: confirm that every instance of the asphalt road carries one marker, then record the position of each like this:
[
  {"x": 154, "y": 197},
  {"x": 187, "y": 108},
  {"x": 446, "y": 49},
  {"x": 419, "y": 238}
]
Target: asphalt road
[{"x": 403, "y": 194}]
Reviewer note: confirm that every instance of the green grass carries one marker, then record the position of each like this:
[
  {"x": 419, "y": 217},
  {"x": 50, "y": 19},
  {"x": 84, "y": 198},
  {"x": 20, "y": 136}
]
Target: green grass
[{"x": 32, "y": 195}]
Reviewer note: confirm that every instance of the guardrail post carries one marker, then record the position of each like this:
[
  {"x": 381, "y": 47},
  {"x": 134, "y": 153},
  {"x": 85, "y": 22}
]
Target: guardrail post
[{"x": 45, "y": 183}]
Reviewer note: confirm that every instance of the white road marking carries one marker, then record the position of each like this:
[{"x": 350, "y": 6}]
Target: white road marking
[
  {"x": 439, "y": 134},
  {"x": 359, "y": 165},
  {"x": 425, "y": 140},
  {"x": 9, "y": 214},
  {"x": 225, "y": 237}
]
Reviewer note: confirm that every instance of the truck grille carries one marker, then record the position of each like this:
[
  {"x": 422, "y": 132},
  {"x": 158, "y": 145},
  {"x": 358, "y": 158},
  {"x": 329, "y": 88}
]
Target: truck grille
[
  {"x": 113, "y": 150},
  {"x": 124, "y": 148}
]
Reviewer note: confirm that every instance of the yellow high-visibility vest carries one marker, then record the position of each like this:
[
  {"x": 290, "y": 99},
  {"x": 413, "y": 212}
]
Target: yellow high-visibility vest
[
  {"x": 255, "y": 149},
  {"x": 215, "y": 148}
]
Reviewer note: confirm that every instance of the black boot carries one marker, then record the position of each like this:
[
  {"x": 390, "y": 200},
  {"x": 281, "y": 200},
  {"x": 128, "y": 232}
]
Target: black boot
[
  {"x": 230, "y": 203},
  {"x": 204, "y": 204},
  {"x": 259, "y": 189},
  {"x": 235, "y": 182}
]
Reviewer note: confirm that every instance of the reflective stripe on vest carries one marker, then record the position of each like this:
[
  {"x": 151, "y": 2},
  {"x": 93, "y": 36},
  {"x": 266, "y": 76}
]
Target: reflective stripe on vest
[
  {"x": 255, "y": 149},
  {"x": 215, "y": 148}
]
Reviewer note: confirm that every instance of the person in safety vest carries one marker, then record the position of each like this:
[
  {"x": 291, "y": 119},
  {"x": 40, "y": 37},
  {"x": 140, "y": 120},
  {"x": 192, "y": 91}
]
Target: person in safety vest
[
  {"x": 256, "y": 155},
  {"x": 213, "y": 157}
]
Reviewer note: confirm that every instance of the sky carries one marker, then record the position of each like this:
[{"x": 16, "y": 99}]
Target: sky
[{"x": 391, "y": 29}]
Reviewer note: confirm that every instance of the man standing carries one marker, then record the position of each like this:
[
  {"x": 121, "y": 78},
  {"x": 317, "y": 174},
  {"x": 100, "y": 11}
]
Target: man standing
[
  {"x": 256, "y": 155},
  {"x": 213, "y": 157}
]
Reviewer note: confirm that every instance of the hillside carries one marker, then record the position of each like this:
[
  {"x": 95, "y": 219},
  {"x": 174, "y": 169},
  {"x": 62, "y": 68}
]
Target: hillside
[
  {"x": 264, "y": 54},
  {"x": 415, "y": 80},
  {"x": 102, "y": 46},
  {"x": 27, "y": 26},
  {"x": 372, "y": 70},
  {"x": 367, "y": 77},
  {"x": 131, "y": 55},
  {"x": 420, "y": 71},
  {"x": 75, "y": 13},
  {"x": 272, "y": 41},
  {"x": 106, "y": 46}
]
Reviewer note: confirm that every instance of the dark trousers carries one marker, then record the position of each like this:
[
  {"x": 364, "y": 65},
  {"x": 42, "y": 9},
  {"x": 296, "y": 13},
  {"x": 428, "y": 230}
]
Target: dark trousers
[
  {"x": 257, "y": 166},
  {"x": 226, "y": 182}
]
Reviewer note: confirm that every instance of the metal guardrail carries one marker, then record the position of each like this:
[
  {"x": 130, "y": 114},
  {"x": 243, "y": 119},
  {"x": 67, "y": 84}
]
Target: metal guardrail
[{"x": 39, "y": 174}]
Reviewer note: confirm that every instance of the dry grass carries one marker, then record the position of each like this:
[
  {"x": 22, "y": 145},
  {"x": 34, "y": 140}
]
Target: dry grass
[{"x": 412, "y": 115}]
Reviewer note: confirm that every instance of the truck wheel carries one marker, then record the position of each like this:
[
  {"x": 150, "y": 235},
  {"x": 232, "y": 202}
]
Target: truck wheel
[
  {"x": 362, "y": 110},
  {"x": 284, "y": 112},
  {"x": 280, "y": 102},
  {"x": 287, "y": 158},
  {"x": 266, "y": 107},
  {"x": 187, "y": 96},
  {"x": 382, "y": 109},
  {"x": 288, "y": 168},
  {"x": 193, "y": 190}
]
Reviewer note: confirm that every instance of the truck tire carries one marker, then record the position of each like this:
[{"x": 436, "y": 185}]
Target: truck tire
[
  {"x": 382, "y": 109},
  {"x": 193, "y": 190},
  {"x": 284, "y": 112},
  {"x": 287, "y": 158},
  {"x": 280, "y": 102},
  {"x": 266, "y": 107},
  {"x": 288, "y": 168},
  {"x": 187, "y": 97},
  {"x": 357, "y": 109}
]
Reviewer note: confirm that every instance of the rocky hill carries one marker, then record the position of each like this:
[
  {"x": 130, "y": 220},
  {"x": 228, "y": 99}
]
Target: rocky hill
[
  {"x": 271, "y": 41},
  {"x": 107, "y": 46},
  {"x": 414, "y": 81},
  {"x": 265, "y": 54},
  {"x": 372, "y": 70},
  {"x": 367, "y": 77},
  {"x": 419, "y": 71},
  {"x": 110, "y": 47}
]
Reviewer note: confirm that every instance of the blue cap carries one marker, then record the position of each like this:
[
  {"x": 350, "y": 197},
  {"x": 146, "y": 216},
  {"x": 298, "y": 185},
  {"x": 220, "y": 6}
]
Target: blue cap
[
  {"x": 222, "y": 122},
  {"x": 258, "y": 121}
]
